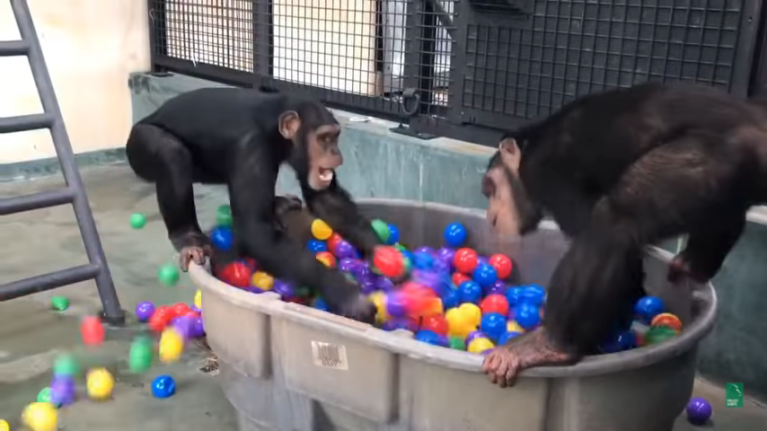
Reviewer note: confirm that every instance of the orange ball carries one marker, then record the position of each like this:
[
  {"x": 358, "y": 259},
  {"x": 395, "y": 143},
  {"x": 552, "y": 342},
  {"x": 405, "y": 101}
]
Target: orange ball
[
  {"x": 668, "y": 320},
  {"x": 327, "y": 258}
]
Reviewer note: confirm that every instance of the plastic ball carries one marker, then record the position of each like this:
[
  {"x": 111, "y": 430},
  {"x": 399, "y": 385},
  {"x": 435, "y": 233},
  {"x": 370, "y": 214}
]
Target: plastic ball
[
  {"x": 429, "y": 337},
  {"x": 401, "y": 323},
  {"x": 648, "y": 307},
  {"x": 389, "y": 261},
  {"x": 470, "y": 291},
  {"x": 423, "y": 260},
  {"x": 436, "y": 323},
  {"x": 659, "y": 334},
  {"x": 514, "y": 296},
  {"x": 140, "y": 357},
  {"x": 236, "y": 274},
  {"x": 473, "y": 311},
  {"x": 381, "y": 229},
  {"x": 65, "y": 365},
  {"x": 479, "y": 345},
  {"x": 497, "y": 288},
  {"x": 527, "y": 316},
  {"x": 321, "y": 230},
  {"x": 184, "y": 326},
  {"x": 99, "y": 384},
  {"x": 137, "y": 221},
  {"x": 347, "y": 264},
  {"x": 40, "y": 417},
  {"x": 198, "y": 329},
  {"x": 316, "y": 246},
  {"x": 533, "y": 295},
  {"x": 171, "y": 346},
  {"x": 502, "y": 264},
  {"x": 625, "y": 340},
  {"x": 344, "y": 249},
  {"x": 393, "y": 235},
  {"x": 460, "y": 322},
  {"x": 179, "y": 309},
  {"x": 667, "y": 319},
  {"x": 457, "y": 278},
  {"x": 426, "y": 249},
  {"x": 262, "y": 280},
  {"x": 222, "y": 238},
  {"x": 494, "y": 325},
  {"x": 60, "y": 303},
  {"x": 92, "y": 331},
  {"x": 144, "y": 311},
  {"x": 168, "y": 275},
  {"x": 474, "y": 335},
  {"x": 465, "y": 260},
  {"x": 4, "y": 425},
  {"x": 333, "y": 241},
  {"x": 384, "y": 283},
  {"x": 327, "y": 259},
  {"x": 224, "y": 215},
  {"x": 698, "y": 411},
  {"x": 63, "y": 390},
  {"x": 485, "y": 275},
  {"x": 320, "y": 304},
  {"x": 447, "y": 254},
  {"x": 379, "y": 300},
  {"x": 395, "y": 305},
  {"x": 456, "y": 343},
  {"x": 513, "y": 326},
  {"x": 283, "y": 288},
  {"x": 451, "y": 298},
  {"x": 163, "y": 386},
  {"x": 455, "y": 234},
  {"x": 508, "y": 336},
  {"x": 198, "y": 299}
]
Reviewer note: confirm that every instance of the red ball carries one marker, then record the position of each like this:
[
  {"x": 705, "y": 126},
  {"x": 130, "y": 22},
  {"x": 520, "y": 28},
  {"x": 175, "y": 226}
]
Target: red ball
[
  {"x": 237, "y": 274},
  {"x": 92, "y": 330},
  {"x": 389, "y": 261},
  {"x": 251, "y": 263},
  {"x": 502, "y": 265},
  {"x": 465, "y": 260},
  {"x": 179, "y": 309},
  {"x": 333, "y": 241},
  {"x": 157, "y": 323},
  {"x": 436, "y": 323},
  {"x": 419, "y": 300},
  {"x": 459, "y": 278},
  {"x": 191, "y": 313},
  {"x": 495, "y": 303},
  {"x": 163, "y": 312}
]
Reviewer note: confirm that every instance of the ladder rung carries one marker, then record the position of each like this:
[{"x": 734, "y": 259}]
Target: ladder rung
[
  {"x": 10, "y": 48},
  {"x": 52, "y": 280},
  {"x": 36, "y": 201},
  {"x": 22, "y": 123}
]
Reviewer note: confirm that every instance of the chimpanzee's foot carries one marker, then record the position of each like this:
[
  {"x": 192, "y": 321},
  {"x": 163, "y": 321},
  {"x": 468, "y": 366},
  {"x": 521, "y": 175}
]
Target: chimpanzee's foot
[
  {"x": 530, "y": 350},
  {"x": 361, "y": 309},
  {"x": 192, "y": 247}
]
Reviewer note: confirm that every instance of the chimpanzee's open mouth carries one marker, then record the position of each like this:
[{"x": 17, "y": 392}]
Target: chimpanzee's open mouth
[{"x": 326, "y": 175}]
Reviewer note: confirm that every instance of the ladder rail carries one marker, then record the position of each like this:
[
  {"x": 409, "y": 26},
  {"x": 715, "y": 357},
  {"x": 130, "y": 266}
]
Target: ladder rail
[{"x": 98, "y": 267}]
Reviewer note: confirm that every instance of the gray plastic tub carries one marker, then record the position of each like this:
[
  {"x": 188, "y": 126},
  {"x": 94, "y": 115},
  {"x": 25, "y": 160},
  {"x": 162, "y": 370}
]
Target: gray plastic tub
[{"x": 288, "y": 367}]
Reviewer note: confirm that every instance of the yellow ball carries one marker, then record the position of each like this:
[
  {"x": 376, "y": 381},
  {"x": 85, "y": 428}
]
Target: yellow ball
[
  {"x": 40, "y": 417},
  {"x": 321, "y": 230},
  {"x": 325, "y": 259},
  {"x": 479, "y": 345},
  {"x": 171, "y": 346},
  {"x": 459, "y": 322},
  {"x": 379, "y": 300},
  {"x": 473, "y": 311},
  {"x": 99, "y": 383},
  {"x": 198, "y": 299},
  {"x": 262, "y": 280},
  {"x": 4, "y": 426},
  {"x": 513, "y": 326}
]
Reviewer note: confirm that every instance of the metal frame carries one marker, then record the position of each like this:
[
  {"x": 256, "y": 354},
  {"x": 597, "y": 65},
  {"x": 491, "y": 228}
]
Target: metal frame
[{"x": 73, "y": 192}]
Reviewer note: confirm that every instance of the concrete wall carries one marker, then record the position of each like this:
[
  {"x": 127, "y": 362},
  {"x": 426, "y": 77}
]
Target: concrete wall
[
  {"x": 380, "y": 163},
  {"x": 90, "y": 46}
]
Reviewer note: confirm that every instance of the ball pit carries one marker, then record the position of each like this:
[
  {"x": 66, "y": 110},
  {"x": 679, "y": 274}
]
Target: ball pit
[{"x": 351, "y": 369}]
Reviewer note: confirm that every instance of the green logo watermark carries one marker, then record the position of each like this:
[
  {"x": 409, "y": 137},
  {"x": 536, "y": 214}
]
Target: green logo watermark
[{"x": 734, "y": 395}]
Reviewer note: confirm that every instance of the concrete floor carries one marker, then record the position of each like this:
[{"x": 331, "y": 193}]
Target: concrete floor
[{"x": 31, "y": 334}]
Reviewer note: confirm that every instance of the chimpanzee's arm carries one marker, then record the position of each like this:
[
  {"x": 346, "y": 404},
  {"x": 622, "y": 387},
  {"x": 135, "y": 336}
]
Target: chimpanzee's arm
[
  {"x": 251, "y": 193},
  {"x": 336, "y": 208}
]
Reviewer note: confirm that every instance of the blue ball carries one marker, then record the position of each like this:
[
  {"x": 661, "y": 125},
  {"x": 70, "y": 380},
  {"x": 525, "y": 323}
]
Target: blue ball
[
  {"x": 527, "y": 316},
  {"x": 451, "y": 298},
  {"x": 533, "y": 295},
  {"x": 493, "y": 325},
  {"x": 455, "y": 234},
  {"x": 393, "y": 235},
  {"x": 320, "y": 304},
  {"x": 163, "y": 386},
  {"x": 648, "y": 307},
  {"x": 508, "y": 336},
  {"x": 316, "y": 246},
  {"x": 470, "y": 291},
  {"x": 222, "y": 238},
  {"x": 514, "y": 296},
  {"x": 422, "y": 260},
  {"x": 408, "y": 255},
  {"x": 624, "y": 341},
  {"x": 429, "y": 337},
  {"x": 485, "y": 275}
]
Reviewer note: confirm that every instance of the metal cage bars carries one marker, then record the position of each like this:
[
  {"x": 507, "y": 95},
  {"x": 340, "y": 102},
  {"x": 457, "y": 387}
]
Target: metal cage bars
[{"x": 74, "y": 190}]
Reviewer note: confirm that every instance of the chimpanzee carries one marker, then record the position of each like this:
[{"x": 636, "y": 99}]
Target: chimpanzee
[
  {"x": 620, "y": 170},
  {"x": 241, "y": 137}
]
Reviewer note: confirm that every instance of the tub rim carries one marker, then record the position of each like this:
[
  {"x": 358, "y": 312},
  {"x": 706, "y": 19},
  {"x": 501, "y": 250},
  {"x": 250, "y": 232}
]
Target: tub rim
[{"x": 704, "y": 303}]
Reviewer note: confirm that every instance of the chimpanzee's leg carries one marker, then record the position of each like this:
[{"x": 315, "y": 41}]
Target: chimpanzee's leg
[{"x": 158, "y": 156}]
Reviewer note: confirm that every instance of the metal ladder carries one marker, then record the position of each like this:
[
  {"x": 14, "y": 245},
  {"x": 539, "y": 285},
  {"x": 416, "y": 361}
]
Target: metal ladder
[{"x": 73, "y": 192}]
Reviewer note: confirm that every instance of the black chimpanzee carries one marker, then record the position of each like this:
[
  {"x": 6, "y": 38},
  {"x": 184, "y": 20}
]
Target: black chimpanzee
[
  {"x": 241, "y": 137},
  {"x": 618, "y": 171}
]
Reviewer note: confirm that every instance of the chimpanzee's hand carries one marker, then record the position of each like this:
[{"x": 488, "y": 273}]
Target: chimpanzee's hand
[{"x": 345, "y": 297}]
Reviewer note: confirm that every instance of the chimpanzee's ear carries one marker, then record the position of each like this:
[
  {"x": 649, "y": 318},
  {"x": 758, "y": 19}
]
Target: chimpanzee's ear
[
  {"x": 510, "y": 153},
  {"x": 289, "y": 124}
]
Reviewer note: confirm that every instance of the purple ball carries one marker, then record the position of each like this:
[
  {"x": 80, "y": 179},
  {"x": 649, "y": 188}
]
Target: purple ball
[
  {"x": 362, "y": 271},
  {"x": 441, "y": 266},
  {"x": 384, "y": 283},
  {"x": 482, "y": 260},
  {"x": 197, "y": 327},
  {"x": 344, "y": 250},
  {"x": 698, "y": 411},
  {"x": 63, "y": 390},
  {"x": 254, "y": 289},
  {"x": 144, "y": 311},
  {"x": 425, "y": 249},
  {"x": 395, "y": 305},
  {"x": 347, "y": 264},
  {"x": 473, "y": 335},
  {"x": 498, "y": 287},
  {"x": 446, "y": 253},
  {"x": 283, "y": 288},
  {"x": 195, "y": 309},
  {"x": 185, "y": 326},
  {"x": 428, "y": 279},
  {"x": 174, "y": 320},
  {"x": 368, "y": 286}
]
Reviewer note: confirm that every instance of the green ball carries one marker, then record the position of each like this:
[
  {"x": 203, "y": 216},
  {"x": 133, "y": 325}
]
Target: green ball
[
  {"x": 400, "y": 247},
  {"x": 137, "y": 220},
  {"x": 408, "y": 264},
  {"x": 65, "y": 365},
  {"x": 659, "y": 334},
  {"x": 382, "y": 230},
  {"x": 60, "y": 303},
  {"x": 302, "y": 292},
  {"x": 457, "y": 343},
  {"x": 44, "y": 396},
  {"x": 224, "y": 216},
  {"x": 140, "y": 355},
  {"x": 169, "y": 275}
]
